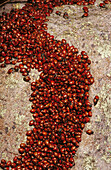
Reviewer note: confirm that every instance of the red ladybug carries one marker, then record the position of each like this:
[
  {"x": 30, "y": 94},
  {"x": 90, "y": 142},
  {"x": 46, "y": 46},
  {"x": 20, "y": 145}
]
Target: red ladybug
[
  {"x": 85, "y": 15},
  {"x": 95, "y": 100},
  {"x": 102, "y": 5},
  {"x": 58, "y": 13}
]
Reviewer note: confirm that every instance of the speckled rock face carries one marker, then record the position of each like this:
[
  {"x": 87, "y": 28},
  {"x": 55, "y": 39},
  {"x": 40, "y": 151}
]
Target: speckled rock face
[{"x": 93, "y": 35}]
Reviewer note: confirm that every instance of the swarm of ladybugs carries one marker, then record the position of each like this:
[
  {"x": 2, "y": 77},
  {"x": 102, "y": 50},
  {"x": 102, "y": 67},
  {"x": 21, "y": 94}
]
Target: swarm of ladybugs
[{"x": 61, "y": 107}]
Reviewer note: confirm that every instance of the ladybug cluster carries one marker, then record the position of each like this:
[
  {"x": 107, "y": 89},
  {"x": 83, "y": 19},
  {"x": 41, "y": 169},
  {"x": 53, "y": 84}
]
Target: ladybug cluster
[{"x": 60, "y": 104}]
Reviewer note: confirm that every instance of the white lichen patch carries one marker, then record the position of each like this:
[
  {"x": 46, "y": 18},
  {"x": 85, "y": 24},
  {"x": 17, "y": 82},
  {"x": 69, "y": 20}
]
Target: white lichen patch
[
  {"x": 105, "y": 102},
  {"x": 106, "y": 158},
  {"x": 3, "y": 112},
  {"x": 88, "y": 126},
  {"x": 89, "y": 163},
  {"x": 98, "y": 118},
  {"x": 105, "y": 50}
]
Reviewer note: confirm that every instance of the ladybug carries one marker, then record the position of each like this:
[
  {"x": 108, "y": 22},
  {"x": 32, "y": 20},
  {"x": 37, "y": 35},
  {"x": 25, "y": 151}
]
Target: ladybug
[
  {"x": 85, "y": 15},
  {"x": 85, "y": 9},
  {"x": 102, "y": 5},
  {"x": 89, "y": 132},
  {"x": 11, "y": 70},
  {"x": 95, "y": 100},
  {"x": 58, "y": 13},
  {"x": 65, "y": 15}
]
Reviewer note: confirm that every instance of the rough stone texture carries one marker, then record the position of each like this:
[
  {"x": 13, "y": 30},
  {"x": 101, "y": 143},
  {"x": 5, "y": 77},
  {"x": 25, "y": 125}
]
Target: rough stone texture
[{"x": 92, "y": 34}]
